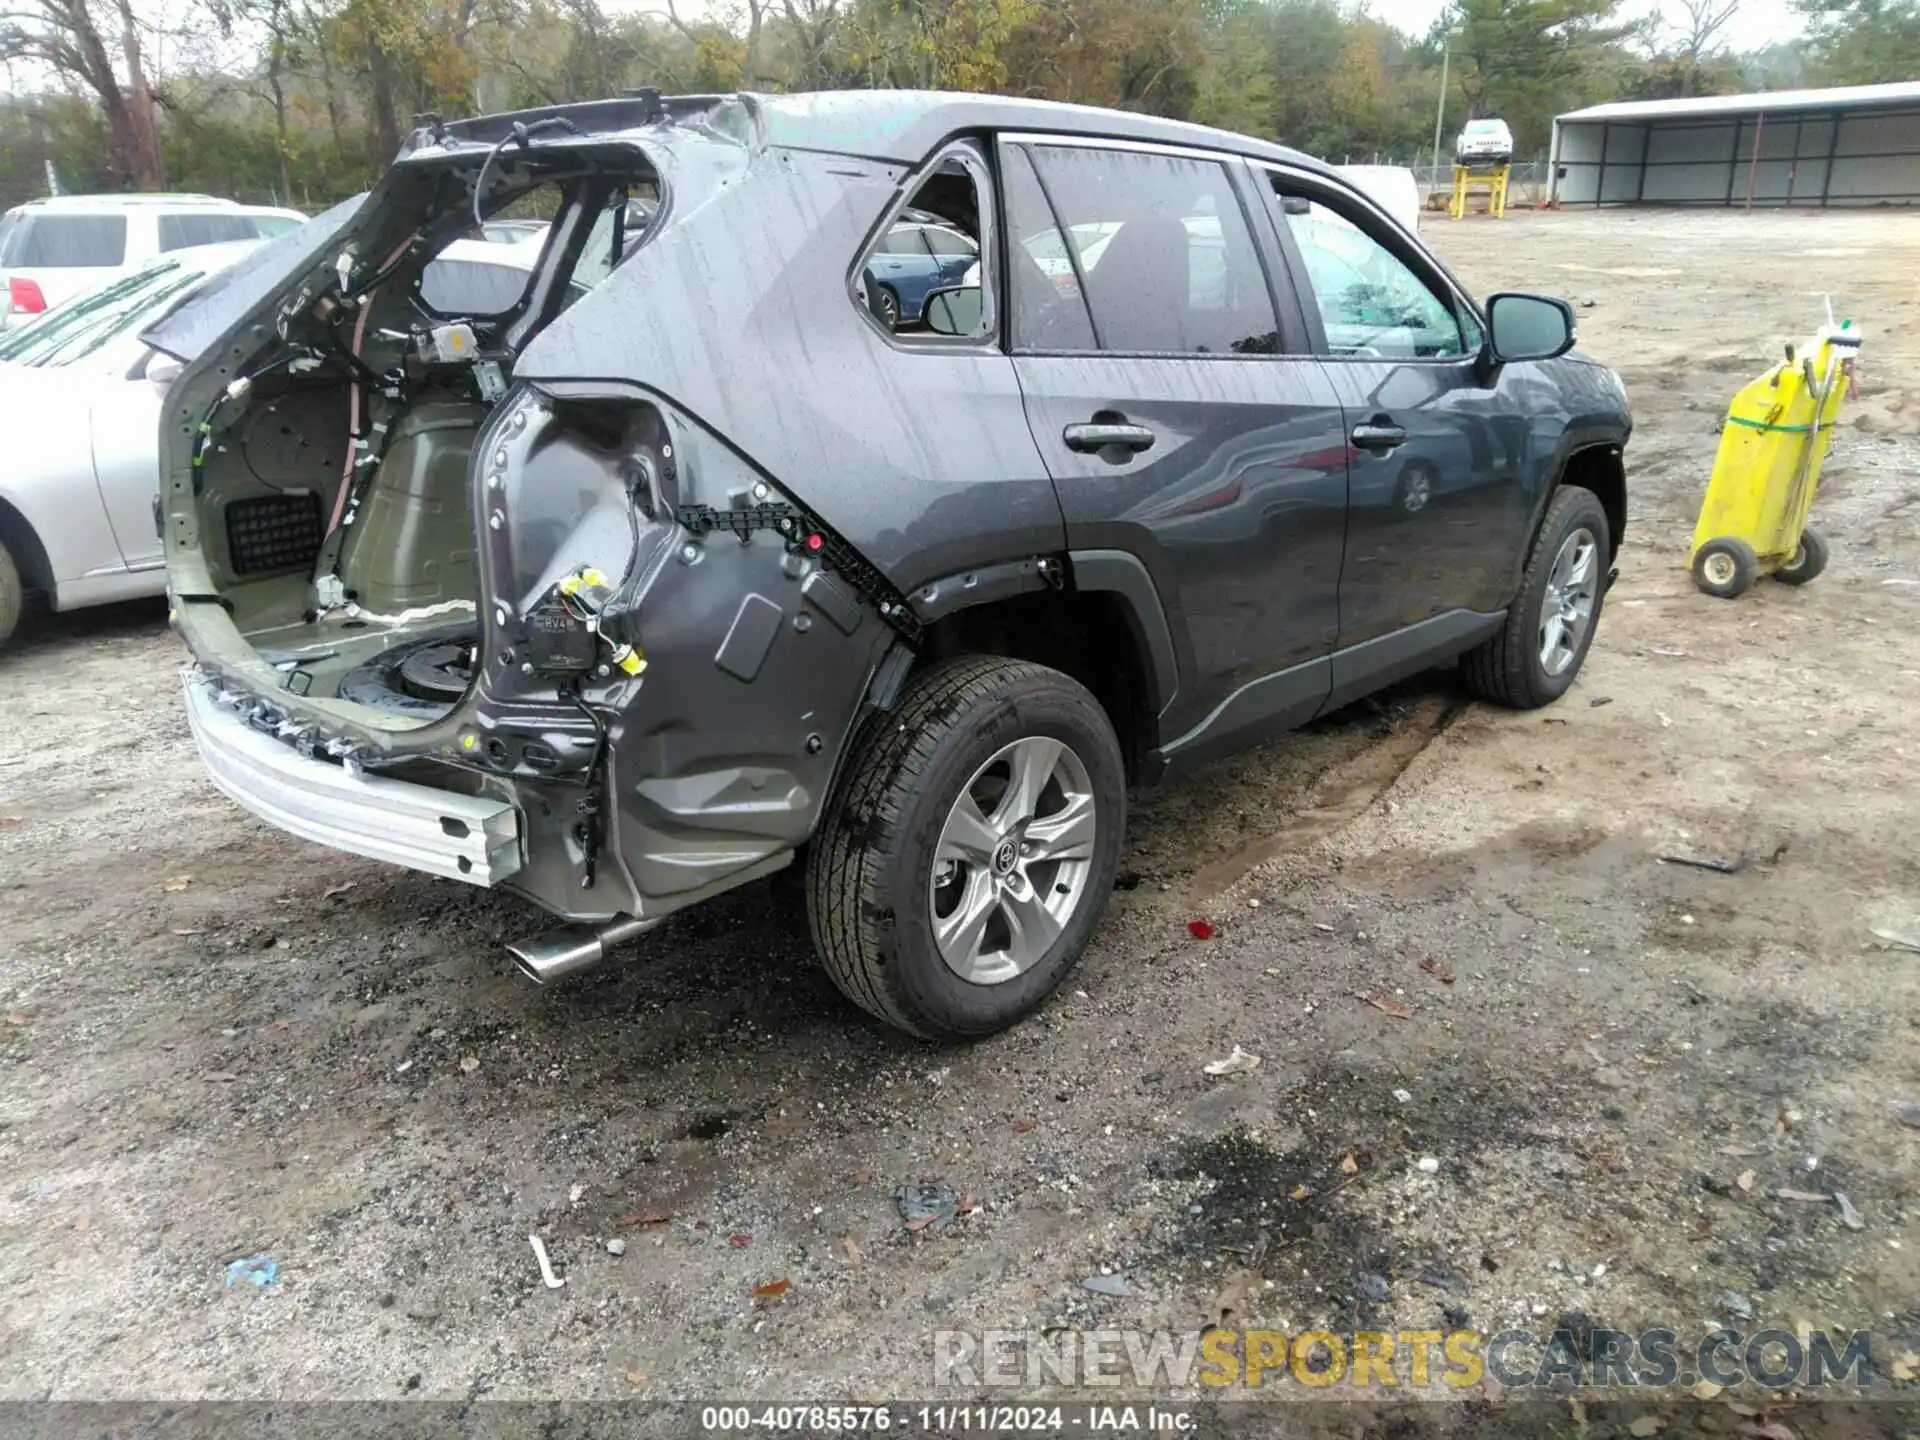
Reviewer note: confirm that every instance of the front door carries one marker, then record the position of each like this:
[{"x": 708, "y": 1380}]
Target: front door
[
  {"x": 1174, "y": 423},
  {"x": 1439, "y": 493}
]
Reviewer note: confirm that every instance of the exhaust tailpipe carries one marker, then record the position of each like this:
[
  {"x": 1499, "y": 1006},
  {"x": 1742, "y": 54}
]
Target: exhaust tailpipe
[{"x": 574, "y": 950}]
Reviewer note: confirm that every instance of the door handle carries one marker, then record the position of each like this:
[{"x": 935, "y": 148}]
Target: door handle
[
  {"x": 1378, "y": 435},
  {"x": 1091, "y": 438}
]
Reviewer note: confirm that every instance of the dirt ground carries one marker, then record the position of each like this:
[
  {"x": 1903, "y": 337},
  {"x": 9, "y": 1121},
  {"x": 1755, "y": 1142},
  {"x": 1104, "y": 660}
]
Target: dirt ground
[{"x": 220, "y": 1041}]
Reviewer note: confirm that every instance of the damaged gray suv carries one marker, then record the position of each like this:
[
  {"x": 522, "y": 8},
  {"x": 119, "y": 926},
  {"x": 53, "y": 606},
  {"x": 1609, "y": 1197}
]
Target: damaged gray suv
[{"x": 695, "y": 555}]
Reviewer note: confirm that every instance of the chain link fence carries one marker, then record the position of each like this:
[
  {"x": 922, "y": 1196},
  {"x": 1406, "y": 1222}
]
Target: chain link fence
[{"x": 1526, "y": 184}]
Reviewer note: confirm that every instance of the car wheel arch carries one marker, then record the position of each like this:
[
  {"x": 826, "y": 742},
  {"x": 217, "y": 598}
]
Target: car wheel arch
[
  {"x": 1098, "y": 620},
  {"x": 17, "y": 533}
]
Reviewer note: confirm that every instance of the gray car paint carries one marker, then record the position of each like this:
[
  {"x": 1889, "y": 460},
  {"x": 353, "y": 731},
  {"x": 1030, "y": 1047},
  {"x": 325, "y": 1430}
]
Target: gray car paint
[{"x": 735, "y": 324}]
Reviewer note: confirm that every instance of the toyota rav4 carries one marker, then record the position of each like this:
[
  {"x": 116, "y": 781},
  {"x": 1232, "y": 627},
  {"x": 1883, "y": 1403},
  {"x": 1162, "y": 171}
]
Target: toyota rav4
[{"x": 691, "y": 556}]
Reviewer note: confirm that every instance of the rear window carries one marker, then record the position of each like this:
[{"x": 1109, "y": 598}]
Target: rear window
[
  {"x": 267, "y": 226},
  {"x": 177, "y": 232},
  {"x": 59, "y": 242}
]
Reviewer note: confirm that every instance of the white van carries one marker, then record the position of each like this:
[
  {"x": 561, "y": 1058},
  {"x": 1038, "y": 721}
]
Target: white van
[
  {"x": 56, "y": 248},
  {"x": 1391, "y": 187}
]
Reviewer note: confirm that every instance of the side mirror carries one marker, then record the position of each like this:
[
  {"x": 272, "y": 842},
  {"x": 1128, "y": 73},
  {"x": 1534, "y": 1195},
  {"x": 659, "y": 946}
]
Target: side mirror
[
  {"x": 954, "y": 311},
  {"x": 1528, "y": 327}
]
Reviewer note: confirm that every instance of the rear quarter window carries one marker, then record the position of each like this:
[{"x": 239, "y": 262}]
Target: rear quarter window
[
  {"x": 178, "y": 232},
  {"x": 58, "y": 242}
]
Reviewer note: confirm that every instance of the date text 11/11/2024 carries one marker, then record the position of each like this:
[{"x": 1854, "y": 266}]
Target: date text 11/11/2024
[{"x": 948, "y": 1419}]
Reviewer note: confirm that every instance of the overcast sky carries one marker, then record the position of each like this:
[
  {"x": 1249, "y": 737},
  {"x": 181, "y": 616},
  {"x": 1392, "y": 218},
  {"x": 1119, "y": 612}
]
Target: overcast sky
[{"x": 1760, "y": 21}]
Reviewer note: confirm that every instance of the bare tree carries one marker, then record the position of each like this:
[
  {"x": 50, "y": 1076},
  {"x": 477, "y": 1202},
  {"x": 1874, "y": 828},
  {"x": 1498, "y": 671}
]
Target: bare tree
[
  {"x": 68, "y": 38},
  {"x": 1701, "y": 21}
]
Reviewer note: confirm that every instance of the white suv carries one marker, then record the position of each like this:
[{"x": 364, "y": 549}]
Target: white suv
[
  {"x": 1484, "y": 142},
  {"x": 52, "y": 249}
]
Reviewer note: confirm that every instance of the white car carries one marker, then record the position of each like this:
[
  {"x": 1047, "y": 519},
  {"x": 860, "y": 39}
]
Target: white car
[
  {"x": 1392, "y": 187},
  {"x": 53, "y": 249},
  {"x": 80, "y": 395},
  {"x": 1484, "y": 142}
]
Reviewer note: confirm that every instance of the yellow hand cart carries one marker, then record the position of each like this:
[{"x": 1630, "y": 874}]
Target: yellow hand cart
[{"x": 1754, "y": 519}]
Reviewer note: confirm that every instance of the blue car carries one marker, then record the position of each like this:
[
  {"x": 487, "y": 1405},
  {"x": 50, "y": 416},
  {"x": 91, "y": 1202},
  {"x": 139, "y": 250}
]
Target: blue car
[{"x": 920, "y": 254}]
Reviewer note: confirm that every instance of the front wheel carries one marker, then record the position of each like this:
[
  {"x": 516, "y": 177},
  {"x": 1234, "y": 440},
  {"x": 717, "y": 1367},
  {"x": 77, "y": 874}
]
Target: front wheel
[
  {"x": 1533, "y": 659},
  {"x": 1725, "y": 567},
  {"x": 970, "y": 848}
]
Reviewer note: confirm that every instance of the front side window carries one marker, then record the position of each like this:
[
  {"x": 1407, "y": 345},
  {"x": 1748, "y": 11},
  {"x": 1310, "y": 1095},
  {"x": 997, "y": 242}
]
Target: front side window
[
  {"x": 58, "y": 242},
  {"x": 1163, "y": 250},
  {"x": 1371, "y": 302},
  {"x": 924, "y": 280}
]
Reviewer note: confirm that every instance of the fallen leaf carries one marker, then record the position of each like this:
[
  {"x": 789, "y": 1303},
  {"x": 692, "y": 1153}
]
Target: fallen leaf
[
  {"x": 17, "y": 1017},
  {"x": 1438, "y": 971},
  {"x": 1349, "y": 1165},
  {"x": 968, "y": 1205},
  {"x": 644, "y": 1217},
  {"x": 1645, "y": 1425},
  {"x": 1744, "y": 1180},
  {"x": 919, "y": 1223},
  {"x": 1024, "y": 1124},
  {"x": 340, "y": 889},
  {"x": 179, "y": 882},
  {"x": 863, "y": 1178},
  {"x": 1772, "y": 1430},
  {"x": 185, "y": 933},
  {"x": 1238, "y": 1063},
  {"x": 1298, "y": 1192},
  {"x": 470, "y": 1063},
  {"x": 280, "y": 1025},
  {"x": 8, "y": 822},
  {"x": 854, "y": 1257},
  {"x": 773, "y": 1289},
  {"x": 1811, "y": 1197},
  {"x": 1200, "y": 929},
  {"x": 1738, "y": 1150},
  {"x": 227, "y": 1077},
  {"x": 1906, "y": 1368},
  {"x": 1390, "y": 1007},
  {"x": 1235, "y": 1300},
  {"x": 739, "y": 1242},
  {"x": 636, "y": 1377}
]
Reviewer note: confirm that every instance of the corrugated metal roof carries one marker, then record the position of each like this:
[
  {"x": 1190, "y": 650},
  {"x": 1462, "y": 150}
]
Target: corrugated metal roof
[{"x": 1846, "y": 97}]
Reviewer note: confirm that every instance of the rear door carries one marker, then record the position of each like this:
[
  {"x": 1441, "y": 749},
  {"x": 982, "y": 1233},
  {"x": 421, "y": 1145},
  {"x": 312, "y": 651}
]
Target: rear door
[
  {"x": 1440, "y": 500},
  {"x": 1152, "y": 351},
  {"x": 59, "y": 256}
]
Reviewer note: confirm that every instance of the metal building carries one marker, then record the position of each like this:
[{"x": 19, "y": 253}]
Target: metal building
[{"x": 1859, "y": 145}]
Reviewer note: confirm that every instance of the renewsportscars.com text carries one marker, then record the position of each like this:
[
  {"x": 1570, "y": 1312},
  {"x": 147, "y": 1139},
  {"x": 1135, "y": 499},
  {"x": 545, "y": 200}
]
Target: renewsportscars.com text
[{"x": 1456, "y": 1359}]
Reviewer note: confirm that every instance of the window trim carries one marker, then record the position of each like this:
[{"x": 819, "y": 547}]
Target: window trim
[
  {"x": 973, "y": 159},
  {"x": 1384, "y": 231},
  {"x": 1266, "y": 253}
]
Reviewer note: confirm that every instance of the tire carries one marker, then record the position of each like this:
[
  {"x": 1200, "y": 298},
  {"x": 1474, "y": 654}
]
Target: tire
[
  {"x": 12, "y": 594},
  {"x": 1512, "y": 668},
  {"x": 887, "y": 306},
  {"x": 874, "y": 886},
  {"x": 1725, "y": 567},
  {"x": 1808, "y": 561}
]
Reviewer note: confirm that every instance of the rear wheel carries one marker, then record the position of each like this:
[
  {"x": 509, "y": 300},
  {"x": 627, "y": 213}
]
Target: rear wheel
[
  {"x": 1725, "y": 567},
  {"x": 970, "y": 849},
  {"x": 12, "y": 594},
  {"x": 888, "y": 305},
  {"x": 1808, "y": 560},
  {"x": 1533, "y": 659}
]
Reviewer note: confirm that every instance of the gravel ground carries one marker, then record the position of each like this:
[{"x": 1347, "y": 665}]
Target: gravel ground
[{"x": 1445, "y": 928}]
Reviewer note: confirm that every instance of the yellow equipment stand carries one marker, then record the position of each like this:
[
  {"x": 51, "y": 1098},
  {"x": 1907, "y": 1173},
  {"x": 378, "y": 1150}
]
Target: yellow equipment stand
[
  {"x": 1753, "y": 521},
  {"x": 1493, "y": 181}
]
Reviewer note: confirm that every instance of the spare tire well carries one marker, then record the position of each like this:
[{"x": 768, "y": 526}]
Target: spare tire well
[{"x": 1084, "y": 634}]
